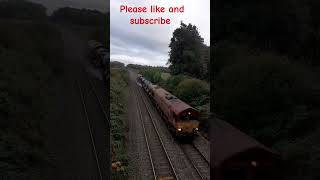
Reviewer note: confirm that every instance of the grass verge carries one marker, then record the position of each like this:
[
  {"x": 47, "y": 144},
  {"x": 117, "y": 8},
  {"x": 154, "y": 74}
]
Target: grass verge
[{"x": 118, "y": 109}]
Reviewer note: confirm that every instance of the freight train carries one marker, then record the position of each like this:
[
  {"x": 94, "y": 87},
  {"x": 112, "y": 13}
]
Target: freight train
[{"x": 181, "y": 118}]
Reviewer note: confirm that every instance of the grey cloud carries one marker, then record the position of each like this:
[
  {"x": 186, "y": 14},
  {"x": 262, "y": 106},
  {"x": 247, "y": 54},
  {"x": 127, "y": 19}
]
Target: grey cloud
[{"x": 148, "y": 44}]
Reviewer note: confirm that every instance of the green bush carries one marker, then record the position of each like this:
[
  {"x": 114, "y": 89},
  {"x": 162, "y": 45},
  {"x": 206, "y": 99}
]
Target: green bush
[
  {"x": 193, "y": 91},
  {"x": 173, "y": 81},
  {"x": 118, "y": 95},
  {"x": 259, "y": 94},
  {"x": 152, "y": 75},
  {"x": 27, "y": 72}
]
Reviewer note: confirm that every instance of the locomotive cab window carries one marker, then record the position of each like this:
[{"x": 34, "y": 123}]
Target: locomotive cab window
[{"x": 188, "y": 116}]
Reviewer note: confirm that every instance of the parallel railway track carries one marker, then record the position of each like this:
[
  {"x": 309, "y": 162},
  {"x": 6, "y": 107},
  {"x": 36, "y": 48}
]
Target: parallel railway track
[
  {"x": 95, "y": 147},
  {"x": 160, "y": 161},
  {"x": 197, "y": 161},
  {"x": 90, "y": 130},
  {"x": 199, "y": 164}
]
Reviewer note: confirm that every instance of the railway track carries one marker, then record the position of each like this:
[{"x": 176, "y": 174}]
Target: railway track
[
  {"x": 197, "y": 161},
  {"x": 90, "y": 130},
  {"x": 199, "y": 164},
  {"x": 96, "y": 134},
  {"x": 160, "y": 161}
]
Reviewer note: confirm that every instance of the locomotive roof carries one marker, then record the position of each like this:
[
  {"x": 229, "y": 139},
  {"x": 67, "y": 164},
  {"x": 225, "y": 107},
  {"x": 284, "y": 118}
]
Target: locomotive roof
[
  {"x": 176, "y": 104},
  {"x": 228, "y": 142}
]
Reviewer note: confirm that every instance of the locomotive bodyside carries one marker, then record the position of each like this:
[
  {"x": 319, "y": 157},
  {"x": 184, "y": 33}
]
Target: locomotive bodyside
[{"x": 182, "y": 118}]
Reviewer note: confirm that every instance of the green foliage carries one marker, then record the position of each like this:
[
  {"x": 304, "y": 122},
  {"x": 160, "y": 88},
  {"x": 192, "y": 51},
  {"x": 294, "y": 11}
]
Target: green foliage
[
  {"x": 173, "y": 81},
  {"x": 116, "y": 64},
  {"x": 83, "y": 17},
  {"x": 193, "y": 91},
  {"x": 268, "y": 97},
  {"x": 185, "y": 54},
  {"x": 139, "y": 67},
  {"x": 152, "y": 75},
  {"x": 28, "y": 64},
  {"x": 21, "y": 9},
  {"x": 286, "y": 27},
  {"x": 118, "y": 95},
  {"x": 263, "y": 81},
  {"x": 268, "y": 80}
]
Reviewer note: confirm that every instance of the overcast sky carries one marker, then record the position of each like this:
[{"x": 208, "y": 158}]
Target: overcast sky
[
  {"x": 148, "y": 44},
  {"x": 143, "y": 44}
]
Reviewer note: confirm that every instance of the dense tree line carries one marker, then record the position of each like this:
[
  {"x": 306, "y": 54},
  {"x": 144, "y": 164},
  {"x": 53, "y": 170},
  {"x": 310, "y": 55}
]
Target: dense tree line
[
  {"x": 31, "y": 58},
  {"x": 116, "y": 64},
  {"x": 266, "y": 76},
  {"x": 29, "y": 65},
  {"x": 142, "y": 67},
  {"x": 186, "y": 48},
  {"x": 80, "y": 17},
  {"x": 288, "y": 27},
  {"x": 21, "y": 9}
]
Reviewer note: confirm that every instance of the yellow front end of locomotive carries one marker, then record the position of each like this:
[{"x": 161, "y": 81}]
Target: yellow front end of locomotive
[{"x": 187, "y": 128}]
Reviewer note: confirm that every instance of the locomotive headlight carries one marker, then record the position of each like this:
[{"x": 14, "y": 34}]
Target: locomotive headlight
[
  {"x": 254, "y": 163},
  {"x": 179, "y": 129}
]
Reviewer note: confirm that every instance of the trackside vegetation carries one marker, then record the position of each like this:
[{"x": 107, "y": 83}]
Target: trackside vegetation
[
  {"x": 28, "y": 67},
  {"x": 118, "y": 96},
  {"x": 31, "y": 63},
  {"x": 266, "y": 77}
]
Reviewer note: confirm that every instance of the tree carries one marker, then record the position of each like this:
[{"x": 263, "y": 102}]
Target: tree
[
  {"x": 193, "y": 91},
  {"x": 21, "y": 9},
  {"x": 185, "y": 54}
]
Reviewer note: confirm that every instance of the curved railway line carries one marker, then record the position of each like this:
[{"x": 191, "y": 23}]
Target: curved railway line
[{"x": 160, "y": 161}]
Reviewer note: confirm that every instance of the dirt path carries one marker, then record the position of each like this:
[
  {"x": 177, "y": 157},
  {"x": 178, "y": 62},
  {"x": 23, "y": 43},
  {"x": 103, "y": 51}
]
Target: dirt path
[{"x": 69, "y": 138}]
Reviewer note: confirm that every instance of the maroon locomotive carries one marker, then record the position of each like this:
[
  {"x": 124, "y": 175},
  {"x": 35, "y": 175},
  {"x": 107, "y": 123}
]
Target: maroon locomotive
[{"x": 181, "y": 118}]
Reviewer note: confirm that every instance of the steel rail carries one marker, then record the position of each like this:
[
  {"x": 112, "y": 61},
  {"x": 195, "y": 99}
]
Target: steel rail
[
  {"x": 98, "y": 98},
  {"x": 90, "y": 131},
  {"x": 146, "y": 140},
  {"x": 193, "y": 146},
  {"x": 203, "y": 157},
  {"x": 192, "y": 162},
  {"x": 159, "y": 137}
]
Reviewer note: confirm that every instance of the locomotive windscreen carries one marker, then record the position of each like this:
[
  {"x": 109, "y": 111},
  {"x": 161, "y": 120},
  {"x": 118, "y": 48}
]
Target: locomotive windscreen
[{"x": 188, "y": 116}]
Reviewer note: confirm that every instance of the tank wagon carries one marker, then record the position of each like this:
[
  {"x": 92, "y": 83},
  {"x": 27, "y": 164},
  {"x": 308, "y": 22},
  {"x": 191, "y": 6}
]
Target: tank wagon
[{"x": 181, "y": 118}]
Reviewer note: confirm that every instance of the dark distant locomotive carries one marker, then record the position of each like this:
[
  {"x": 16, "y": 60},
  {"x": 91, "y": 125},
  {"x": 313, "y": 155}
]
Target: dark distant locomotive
[
  {"x": 98, "y": 54},
  {"x": 181, "y": 118}
]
